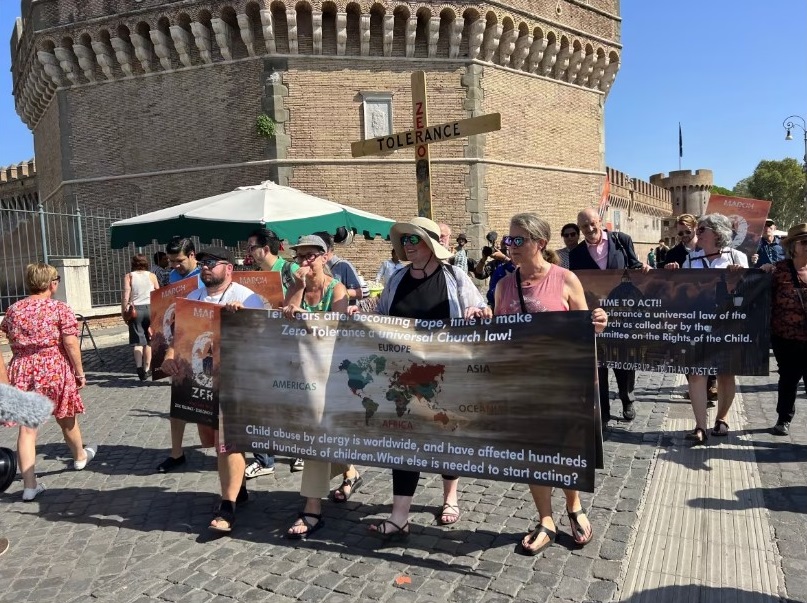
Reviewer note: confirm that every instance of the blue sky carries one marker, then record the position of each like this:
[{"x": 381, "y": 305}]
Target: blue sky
[{"x": 729, "y": 71}]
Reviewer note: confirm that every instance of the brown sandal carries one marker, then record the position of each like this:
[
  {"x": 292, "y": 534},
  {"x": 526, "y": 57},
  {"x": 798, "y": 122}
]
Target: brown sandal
[
  {"x": 534, "y": 535},
  {"x": 578, "y": 533}
]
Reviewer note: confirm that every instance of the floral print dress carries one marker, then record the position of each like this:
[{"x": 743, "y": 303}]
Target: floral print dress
[{"x": 35, "y": 327}]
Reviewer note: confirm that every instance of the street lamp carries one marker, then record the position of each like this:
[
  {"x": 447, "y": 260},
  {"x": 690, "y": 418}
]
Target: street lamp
[{"x": 789, "y": 124}]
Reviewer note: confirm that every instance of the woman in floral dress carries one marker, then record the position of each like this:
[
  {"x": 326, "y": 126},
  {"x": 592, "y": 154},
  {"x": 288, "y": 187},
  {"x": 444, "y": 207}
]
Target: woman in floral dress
[{"x": 47, "y": 359}]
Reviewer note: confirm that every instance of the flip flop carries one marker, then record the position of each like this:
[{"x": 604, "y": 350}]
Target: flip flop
[
  {"x": 447, "y": 510},
  {"x": 578, "y": 533},
  {"x": 310, "y": 528},
  {"x": 354, "y": 483},
  {"x": 533, "y": 536}
]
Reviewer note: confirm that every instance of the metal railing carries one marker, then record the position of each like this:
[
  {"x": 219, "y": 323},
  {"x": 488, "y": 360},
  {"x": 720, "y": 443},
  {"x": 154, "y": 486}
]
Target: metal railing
[{"x": 32, "y": 234}]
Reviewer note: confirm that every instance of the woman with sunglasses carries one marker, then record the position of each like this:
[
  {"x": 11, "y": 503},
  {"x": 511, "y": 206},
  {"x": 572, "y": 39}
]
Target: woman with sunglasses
[
  {"x": 43, "y": 333},
  {"x": 321, "y": 293},
  {"x": 714, "y": 240},
  {"x": 540, "y": 285},
  {"x": 427, "y": 289},
  {"x": 687, "y": 242}
]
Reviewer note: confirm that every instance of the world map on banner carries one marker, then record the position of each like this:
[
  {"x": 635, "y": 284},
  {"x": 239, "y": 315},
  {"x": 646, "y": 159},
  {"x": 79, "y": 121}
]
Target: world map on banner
[{"x": 374, "y": 377}]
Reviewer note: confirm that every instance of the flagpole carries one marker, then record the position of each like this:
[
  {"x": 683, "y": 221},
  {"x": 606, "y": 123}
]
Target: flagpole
[{"x": 680, "y": 146}]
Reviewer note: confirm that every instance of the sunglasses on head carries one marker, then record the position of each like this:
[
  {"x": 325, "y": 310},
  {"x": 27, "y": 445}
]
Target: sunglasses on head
[
  {"x": 308, "y": 257},
  {"x": 412, "y": 239},
  {"x": 682, "y": 233},
  {"x": 514, "y": 241},
  {"x": 211, "y": 262}
]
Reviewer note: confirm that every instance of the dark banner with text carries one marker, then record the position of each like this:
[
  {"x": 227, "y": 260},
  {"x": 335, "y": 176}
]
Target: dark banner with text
[
  {"x": 511, "y": 398},
  {"x": 682, "y": 321}
]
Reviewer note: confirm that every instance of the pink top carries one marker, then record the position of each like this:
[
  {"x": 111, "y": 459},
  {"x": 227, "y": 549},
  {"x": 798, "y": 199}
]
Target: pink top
[
  {"x": 599, "y": 251},
  {"x": 544, "y": 296}
]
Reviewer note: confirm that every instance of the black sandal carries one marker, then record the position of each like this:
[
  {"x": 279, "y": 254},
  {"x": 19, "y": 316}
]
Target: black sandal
[
  {"x": 717, "y": 432},
  {"x": 310, "y": 528},
  {"x": 534, "y": 536},
  {"x": 578, "y": 533},
  {"x": 698, "y": 436},
  {"x": 225, "y": 513},
  {"x": 354, "y": 483},
  {"x": 380, "y": 529}
]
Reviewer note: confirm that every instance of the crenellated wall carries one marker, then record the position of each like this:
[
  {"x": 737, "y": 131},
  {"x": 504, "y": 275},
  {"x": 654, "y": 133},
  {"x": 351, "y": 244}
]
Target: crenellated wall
[
  {"x": 58, "y": 44},
  {"x": 638, "y": 208}
]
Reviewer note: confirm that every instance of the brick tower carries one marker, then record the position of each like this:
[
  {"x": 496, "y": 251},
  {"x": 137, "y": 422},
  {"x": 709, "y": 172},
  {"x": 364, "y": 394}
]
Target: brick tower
[{"x": 151, "y": 103}]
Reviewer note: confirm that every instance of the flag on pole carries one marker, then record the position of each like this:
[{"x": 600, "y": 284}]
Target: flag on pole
[
  {"x": 606, "y": 192},
  {"x": 680, "y": 142}
]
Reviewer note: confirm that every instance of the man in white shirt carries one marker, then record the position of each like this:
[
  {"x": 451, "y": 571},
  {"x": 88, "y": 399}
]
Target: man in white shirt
[{"x": 217, "y": 266}]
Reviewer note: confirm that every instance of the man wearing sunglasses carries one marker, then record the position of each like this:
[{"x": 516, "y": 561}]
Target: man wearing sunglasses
[
  {"x": 217, "y": 265},
  {"x": 264, "y": 246},
  {"x": 603, "y": 250},
  {"x": 343, "y": 270},
  {"x": 571, "y": 238},
  {"x": 687, "y": 242}
]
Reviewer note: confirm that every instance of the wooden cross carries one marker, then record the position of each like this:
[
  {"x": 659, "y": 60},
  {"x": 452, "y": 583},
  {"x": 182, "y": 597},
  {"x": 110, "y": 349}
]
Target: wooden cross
[{"x": 422, "y": 136}]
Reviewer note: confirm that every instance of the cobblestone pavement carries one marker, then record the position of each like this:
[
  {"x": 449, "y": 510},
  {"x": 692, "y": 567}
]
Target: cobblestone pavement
[{"x": 120, "y": 532}]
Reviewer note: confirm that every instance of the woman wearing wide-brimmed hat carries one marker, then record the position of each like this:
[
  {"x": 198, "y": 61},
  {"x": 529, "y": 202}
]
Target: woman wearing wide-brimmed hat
[
  {"x": 427, "y": 289},
  {"x": 789, "y": 323}
]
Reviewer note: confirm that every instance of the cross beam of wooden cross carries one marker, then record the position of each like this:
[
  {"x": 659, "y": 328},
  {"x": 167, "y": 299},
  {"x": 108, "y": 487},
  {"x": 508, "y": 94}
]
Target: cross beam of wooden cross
[{"x": 422, "y": 136}]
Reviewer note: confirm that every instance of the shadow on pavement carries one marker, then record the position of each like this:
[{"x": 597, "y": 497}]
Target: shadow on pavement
[
  {"x": 264, "y": 519},
  {"x": 791, "y": 499},
  {"x": 700, "y": 594}
]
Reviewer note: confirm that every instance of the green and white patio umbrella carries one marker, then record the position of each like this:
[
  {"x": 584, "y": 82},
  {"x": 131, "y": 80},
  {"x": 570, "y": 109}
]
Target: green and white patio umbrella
[{"x": 230, "y": 217}]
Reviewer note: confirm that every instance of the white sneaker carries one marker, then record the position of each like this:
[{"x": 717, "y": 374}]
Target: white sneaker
[
  {"x": 255, "y": 469},
  {"x": 90, "y": 450},
  {"x": 29, "y": 494}
]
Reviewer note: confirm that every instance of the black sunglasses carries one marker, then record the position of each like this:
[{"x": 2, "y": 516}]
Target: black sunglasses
[
  {"x": 412, "y": 239},
  {"x": 681, "y": 233},
  {"x": 701, "y": 229},
  {"x": 211, "y": 262},
  {"x": 58, "y": 279},
  {"x": 566, "y": 235}
]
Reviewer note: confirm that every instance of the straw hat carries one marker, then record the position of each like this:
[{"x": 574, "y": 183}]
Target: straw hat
[
  {"x": 799, "y": 231},
  {"x": 428, "y": 231}
]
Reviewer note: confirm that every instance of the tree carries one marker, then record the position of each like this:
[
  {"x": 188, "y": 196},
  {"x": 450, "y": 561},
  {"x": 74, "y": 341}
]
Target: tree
[
  {"x": 741, "y": 188},
  {"x": 722, "y": 190},
  {"x": 781, "y": 182}
]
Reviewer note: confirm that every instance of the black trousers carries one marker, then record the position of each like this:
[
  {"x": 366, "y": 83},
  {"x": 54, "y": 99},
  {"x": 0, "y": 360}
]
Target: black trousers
[
  {"x": 791, "y": 356},
  {"x": 625, "y": 381},
  {"x": 404, "y": 483}
]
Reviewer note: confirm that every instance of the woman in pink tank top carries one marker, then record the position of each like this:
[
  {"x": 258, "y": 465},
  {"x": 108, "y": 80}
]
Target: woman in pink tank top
[{"x": 540, "y": 285}]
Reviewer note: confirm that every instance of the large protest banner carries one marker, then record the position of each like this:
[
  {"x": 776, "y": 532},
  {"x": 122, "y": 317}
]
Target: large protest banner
[
  {"x": 747, "y": 219},
  {"x": 682, "y": 321},
  {"x": 511, "y": 398},
  {"x": 163, "y": 312},
  {"x": 194, "y": 389}
]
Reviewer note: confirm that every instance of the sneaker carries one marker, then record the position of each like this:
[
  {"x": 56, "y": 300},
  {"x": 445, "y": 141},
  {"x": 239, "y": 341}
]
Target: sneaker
[
  {"x": 29, "y": 494},
  {"x": 170, "y": 463},
  {"x": 781, "y": 429},
  {"x": 90, "y": 450},
  {"x": 297, "y": 465},
  {"x": 141, "y": 372},
  {"x": 255, "y": 469}
]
